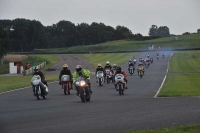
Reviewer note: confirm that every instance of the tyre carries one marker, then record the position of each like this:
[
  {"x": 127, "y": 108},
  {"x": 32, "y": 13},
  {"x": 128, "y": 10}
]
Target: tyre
[
  {"x": 108, "y": 80},
  {"x": 65, "y": 89},
  {"x": 37, "y": 93},
  {"x": 81, "y": 92},
  {"x": 88, "y": 98},
  {"x": 120, "y": 89},
  {"x": 44, "y": 97},
  {"x": 100, "y": 82},
  {"x": 68, "y": 89}
]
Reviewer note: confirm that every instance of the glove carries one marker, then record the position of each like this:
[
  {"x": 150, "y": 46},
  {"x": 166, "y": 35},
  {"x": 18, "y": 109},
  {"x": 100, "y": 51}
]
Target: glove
[{"x": 59, "y": 82}]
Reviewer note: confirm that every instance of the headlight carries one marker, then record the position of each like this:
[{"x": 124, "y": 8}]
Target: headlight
[{"x": 82, "y": 83}]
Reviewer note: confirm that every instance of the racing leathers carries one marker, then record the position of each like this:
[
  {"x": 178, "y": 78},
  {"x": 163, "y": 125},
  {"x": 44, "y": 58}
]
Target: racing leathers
[
  {"x": 124, "y": 74},
  {"x": 140, "y": 65},
  {"x": 66, "y": 72}
]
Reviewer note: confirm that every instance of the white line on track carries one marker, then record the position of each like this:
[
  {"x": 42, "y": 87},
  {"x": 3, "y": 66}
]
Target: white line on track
[
  {"x": 22, "y": 88},
  {"x": 164, "y": 78}
]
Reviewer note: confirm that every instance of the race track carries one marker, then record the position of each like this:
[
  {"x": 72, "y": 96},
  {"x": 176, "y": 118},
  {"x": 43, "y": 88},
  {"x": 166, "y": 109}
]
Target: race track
[{"x": 108, "y": 112}]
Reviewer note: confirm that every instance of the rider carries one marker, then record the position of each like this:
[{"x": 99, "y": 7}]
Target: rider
[
  {"x": 163, "y": 55},
  {"x": 120, "y": 71},
  {"x": 107, "y": 66},
  {"x": 148, "y": 55},
  {"x": 38, "y": 72},
  {"x": 99, "y": 68},
  {"x": 130, "y": 64},
  {"x": 114, "y": 67},
  {"x": 140, "y": 64},
  {"x": 134, "y": 60},
  {"x": 66, "y": 71},
  {"x": 82, "y": 72}
]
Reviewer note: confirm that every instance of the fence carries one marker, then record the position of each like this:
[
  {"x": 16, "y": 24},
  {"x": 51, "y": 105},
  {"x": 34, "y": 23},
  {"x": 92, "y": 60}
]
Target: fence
[{"x": 31, "y": 70}]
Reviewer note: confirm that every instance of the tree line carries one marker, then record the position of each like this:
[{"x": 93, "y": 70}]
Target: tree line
[{"x": 25, "y": 35}]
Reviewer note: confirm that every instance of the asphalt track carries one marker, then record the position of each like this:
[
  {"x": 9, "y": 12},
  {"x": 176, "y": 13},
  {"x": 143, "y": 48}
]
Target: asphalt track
[{"x": 108, "y": 112}]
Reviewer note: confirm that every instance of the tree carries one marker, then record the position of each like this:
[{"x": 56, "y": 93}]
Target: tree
[
  {"x": 186, "y": 33},
  {"x": 163, "y": 31},
  {"x": 153, "y": 31},
  {"x": 198, "y": 31},
  {"x": 4, "y": 42}
]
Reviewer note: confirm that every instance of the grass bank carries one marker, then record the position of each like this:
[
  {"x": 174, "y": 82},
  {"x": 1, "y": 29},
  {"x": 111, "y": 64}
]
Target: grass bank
[
  {"x": 180, "y": 82},
  {"x": 8, "y": 83},
  {"x": 119, "y": 59},
  {"x": 175, "y": 129},
  {"x": 185, "y": 41}
]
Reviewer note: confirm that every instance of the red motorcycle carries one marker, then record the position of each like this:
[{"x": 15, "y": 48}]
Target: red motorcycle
[{"x": 66, "y": 84}]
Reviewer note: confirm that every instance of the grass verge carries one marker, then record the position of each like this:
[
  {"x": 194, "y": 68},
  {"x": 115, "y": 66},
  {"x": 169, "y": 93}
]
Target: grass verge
[
  {"x": 186, "y": 61},
  {"x": 195, "y": 128},
  {"x": 181, "y": 85},
  {"x": 119, "y": 59}
]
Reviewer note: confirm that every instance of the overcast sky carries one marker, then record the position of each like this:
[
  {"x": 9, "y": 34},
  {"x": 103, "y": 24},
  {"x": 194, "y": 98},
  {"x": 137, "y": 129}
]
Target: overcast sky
[{"x": 137, "y": 15}]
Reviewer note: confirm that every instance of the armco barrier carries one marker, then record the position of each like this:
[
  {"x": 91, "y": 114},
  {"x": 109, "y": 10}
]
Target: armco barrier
[{"x": 31, "y": 70}]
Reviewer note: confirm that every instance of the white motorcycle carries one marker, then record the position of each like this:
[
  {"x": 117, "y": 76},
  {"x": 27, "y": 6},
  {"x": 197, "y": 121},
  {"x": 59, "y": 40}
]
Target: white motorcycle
[
  {"x": 108, "y": 75},
  {"x": 100, "y": 78},
  {"x": 120, "y": 83},
  {"x": 40, "y": 90}
]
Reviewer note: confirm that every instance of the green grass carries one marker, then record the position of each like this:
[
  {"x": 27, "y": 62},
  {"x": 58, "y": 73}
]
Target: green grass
[
  {"x": 188, "y": 61},
  {"x": 185, "y": 41},
  {"x": 195, "y": 128},
  {"x": 181, "y": 85},
  {"x": 14, "y": 82},
  {"x": 119, "y": 59}
]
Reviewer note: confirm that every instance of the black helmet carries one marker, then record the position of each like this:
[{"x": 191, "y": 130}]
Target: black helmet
[
  {"x": 36, "y": 69},
  {"x": 119, "y": 69}
]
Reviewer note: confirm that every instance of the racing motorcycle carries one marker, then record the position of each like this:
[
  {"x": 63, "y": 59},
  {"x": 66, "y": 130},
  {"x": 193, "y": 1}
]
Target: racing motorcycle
[
  {"x": 151, "y": 60},
  {"x": 120, "y": 83},
  {"x": 134, "y": 61},
  {"x": 140, "y": 71},
  {"x": 66, "y": 84},
  {"x": 40, "y": 90},
  {"x": 108, "y": 75},
  {"x": 157, "y": 57},
  {"x": 131, "y": 70},
  {"x": 83, "y": 89},
  {"x": 100, "y": 78}
]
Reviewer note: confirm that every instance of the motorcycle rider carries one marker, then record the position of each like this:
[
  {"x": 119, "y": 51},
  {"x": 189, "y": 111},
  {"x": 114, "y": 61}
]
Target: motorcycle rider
[
  {"x": 107, "y": 66},
  {"x": 99, "y": 68},
  {"x": 148, "y": 55},
  {"x": 140, "y": 64},
  {"x": 134, "y": 60},
  {"x": 82, "y": 72},
  {"x": 120, "y": 71},
  {"x": 66, "y": 71},
  {"x": 130, "y": 64},
  {"x": 163, "y": 55},
  {"x": 38, "y": 72},
  {"x": 114, "y": 67}
]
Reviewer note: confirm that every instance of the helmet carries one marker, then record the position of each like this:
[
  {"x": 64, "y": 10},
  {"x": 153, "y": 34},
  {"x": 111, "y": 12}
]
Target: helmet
[
  {"x": 130, "y": 60},
  {"x": 78, "y": 68},
  {"x": 65, "y": 66},
  {"x": 119, "y": 70},
  {"x": 36, "y": 69},
  {"x": 99, "y": 65},
  {"x": 114, "y": 65},
  {"x": 107, "y": 62},
  {"x": 140, "y": 63}
]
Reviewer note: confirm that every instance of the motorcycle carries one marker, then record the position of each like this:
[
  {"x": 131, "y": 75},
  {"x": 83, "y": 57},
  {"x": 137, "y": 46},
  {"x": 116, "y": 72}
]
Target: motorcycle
[
  {"x": 147, "y": 64},
  {"x": 163, "y": 56},
  {"x": 140, "y": 71},
  {"x": 151, "y": 60},
  {"x": 108, "y": 75},
  {"x": 40, "y": 90},
  {"x": 134, "y": 61},
  {"x": 66, "y": 84},
  {"x": 100, "y": 78},
  {"x": 157, "y": 57},
  {"x": 83, "y": 89},
  {"x": 131, "y": 70},
  {"x": 119, "y": 83}
]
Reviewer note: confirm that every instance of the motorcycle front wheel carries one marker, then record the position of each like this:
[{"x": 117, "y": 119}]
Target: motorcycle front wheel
[
  {"x": 81, "y": 92},
  {"x": 37, "y": 93}
]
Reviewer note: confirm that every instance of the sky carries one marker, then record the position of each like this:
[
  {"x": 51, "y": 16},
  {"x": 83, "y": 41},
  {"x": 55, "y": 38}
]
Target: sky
[{"x": 138, "y": 15}]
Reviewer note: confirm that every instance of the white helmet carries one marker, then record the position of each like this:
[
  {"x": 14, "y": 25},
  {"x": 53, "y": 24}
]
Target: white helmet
[
  {"x": 107, "y": 62},
  {"x": 36, "y": 69}
]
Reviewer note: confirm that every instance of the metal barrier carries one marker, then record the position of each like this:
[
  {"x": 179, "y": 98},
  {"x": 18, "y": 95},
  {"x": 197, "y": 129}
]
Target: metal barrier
[{"x": 31, "y": 70}]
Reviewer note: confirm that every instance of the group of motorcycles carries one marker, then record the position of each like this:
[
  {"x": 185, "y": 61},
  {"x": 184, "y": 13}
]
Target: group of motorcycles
[{"x": 41, "y": 90}]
